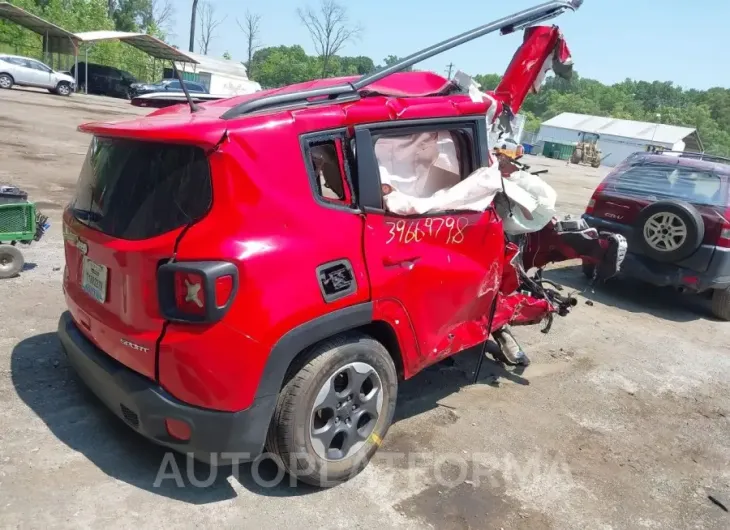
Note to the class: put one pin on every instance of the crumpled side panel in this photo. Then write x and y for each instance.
(519, 309)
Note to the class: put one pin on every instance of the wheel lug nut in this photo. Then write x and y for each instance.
(354, 407)
(337, 421)
(339, 405)
(349, 398)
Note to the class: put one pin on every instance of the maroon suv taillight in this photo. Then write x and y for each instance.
(196, 291)
(592, 202)
(724, 240)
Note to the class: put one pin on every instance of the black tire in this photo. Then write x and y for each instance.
(721, 303)
(576, 156)
(689, 216)
(6, 81)
(63, 89)
(290, 434)
(11, 261)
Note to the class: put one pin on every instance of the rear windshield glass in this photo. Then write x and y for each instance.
(672, 182)
(135, 190)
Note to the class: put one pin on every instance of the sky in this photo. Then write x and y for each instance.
(610, 40)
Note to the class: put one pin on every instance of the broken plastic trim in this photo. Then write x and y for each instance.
(508, 24)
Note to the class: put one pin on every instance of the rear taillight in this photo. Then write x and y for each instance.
(592, 202)
(724, 240)
(196, 291)
(189, 293)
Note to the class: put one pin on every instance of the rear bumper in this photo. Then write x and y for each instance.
(708, 268)
(216, 437)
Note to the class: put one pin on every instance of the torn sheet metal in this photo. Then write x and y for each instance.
(543, 49)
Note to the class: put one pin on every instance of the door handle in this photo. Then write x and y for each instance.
(391, 261)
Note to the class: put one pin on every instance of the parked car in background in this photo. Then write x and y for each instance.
(24, 71)
(674, 209)
(166, 85)
(105, 80)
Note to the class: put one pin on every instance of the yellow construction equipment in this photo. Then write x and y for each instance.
(587, 151)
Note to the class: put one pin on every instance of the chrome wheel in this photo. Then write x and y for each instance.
(64, 90)
(345, 411)
(5, 81)
(665, 231)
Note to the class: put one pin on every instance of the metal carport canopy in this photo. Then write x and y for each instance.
(147, 43)
(58, 40)
(152, 46)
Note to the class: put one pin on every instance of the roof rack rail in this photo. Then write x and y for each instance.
(349, 91)
(693, 154)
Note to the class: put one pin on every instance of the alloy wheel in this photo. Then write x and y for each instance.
(346, 411)
(665, 231)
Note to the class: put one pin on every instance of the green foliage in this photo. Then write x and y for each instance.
(487, 81)
(277, 66)
(658, 102)
(391, 60)
(88, 15)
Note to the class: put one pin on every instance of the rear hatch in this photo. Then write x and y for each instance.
(133, 200)
(631, 188)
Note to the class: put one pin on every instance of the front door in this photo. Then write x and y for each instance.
(40, 74)
(443, 267)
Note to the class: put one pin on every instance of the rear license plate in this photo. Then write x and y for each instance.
(94, 279)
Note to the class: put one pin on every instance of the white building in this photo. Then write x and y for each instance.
(617, 139)
(219, 76)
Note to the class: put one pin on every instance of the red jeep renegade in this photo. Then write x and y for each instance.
(234, 281)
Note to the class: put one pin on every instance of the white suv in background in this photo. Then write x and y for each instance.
(24, 71)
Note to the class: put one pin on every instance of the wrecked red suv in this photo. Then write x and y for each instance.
(234, 281)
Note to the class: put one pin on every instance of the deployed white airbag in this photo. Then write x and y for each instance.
(532, 199)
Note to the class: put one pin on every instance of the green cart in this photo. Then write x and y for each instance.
(20, 222)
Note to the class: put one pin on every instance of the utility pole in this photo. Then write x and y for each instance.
(656, 126)
(450, 66)
(191, 47)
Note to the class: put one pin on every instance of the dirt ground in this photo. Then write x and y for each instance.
(621, 421)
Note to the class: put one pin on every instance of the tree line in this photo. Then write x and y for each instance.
(331, 31)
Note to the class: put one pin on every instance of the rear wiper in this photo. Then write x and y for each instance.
(86, 215)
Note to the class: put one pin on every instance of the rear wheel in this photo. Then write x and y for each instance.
(333, 413)
(721, 303)
(6, 81)
(11, 261)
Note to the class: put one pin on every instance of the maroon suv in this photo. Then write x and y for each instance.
(674, 209)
